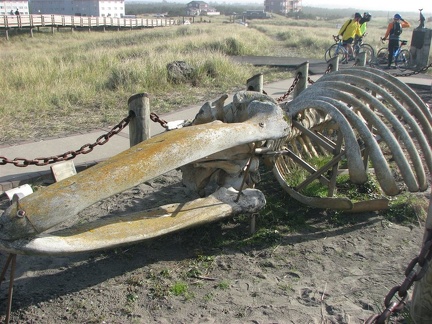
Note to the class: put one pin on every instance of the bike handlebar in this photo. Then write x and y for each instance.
(336, 38)
(403, 42)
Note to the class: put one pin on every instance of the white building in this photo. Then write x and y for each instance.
(95, 8)
(8, 7)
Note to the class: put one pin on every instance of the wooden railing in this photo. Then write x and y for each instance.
(31, 21)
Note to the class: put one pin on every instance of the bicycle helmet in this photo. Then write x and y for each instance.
(367, 16)
(397, 16)
(357, 15)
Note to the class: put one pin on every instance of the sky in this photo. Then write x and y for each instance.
(370, 5)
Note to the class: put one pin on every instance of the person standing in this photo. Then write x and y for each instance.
(348, 31)
(363, 22)
(363, 25)
(394, 30)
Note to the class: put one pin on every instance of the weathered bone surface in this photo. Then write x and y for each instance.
(226, 168)
(261, 120)
(372, 110)
(357, 116)
(121, 230)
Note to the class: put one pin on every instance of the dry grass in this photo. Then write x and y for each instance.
(61, 83)
(54, 85)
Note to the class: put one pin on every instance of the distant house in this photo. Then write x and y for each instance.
(200, 8)
(95, 8)
(282, 6)
(9, 7)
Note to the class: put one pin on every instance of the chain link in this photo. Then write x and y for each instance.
(291, 88)
(69, 155)
(157, 119)
(423, 69)
(411, 275)
(407, 74)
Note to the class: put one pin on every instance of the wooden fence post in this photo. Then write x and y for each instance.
(361, 58)
(421, 303)
(302, 83)
(255, 83)
(334, 63)
(139, 126)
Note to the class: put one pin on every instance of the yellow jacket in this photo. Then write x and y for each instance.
(352, 29)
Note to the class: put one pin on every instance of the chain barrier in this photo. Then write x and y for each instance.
(411, 275)
(423, 69)
(291, 88)
(157, 119)
(69, 155)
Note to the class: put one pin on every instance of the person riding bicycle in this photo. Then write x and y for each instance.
(348, 31)
(394, 30)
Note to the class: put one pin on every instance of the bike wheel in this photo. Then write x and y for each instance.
(370, 52)
(382, 57)
(327, 55)
(336, 51)
(403, 60)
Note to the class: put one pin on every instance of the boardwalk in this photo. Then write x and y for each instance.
(8, 22)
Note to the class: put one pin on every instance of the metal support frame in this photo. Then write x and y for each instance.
(11, 261)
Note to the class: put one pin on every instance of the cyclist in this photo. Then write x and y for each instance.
(394, 30)
(348, 31)
(363, 25)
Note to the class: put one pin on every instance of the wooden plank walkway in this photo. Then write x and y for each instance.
(316, 66)
(8, 22)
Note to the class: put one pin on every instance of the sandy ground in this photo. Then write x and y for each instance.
(320, 272)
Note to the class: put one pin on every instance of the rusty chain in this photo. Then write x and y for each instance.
(411, 275)
(423, 69)
(310, 80)
(157, 119)
(85, 149)
(291, 88)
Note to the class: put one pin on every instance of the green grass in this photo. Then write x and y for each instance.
(407, 208)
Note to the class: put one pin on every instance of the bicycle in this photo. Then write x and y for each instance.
(401, 57)
(339, 50)
(368, 49)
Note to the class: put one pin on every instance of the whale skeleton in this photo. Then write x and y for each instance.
(355, 117)
(352, 116)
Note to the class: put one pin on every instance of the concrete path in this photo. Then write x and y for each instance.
(12, 176)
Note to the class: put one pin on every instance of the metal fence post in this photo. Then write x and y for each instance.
(139, 126)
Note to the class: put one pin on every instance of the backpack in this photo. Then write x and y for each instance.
(346, 27)
(397, 29)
